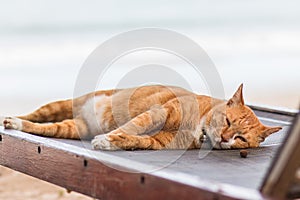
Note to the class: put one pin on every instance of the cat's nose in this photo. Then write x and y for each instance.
(224, 139)
(226, 136)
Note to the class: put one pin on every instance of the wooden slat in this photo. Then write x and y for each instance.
(280, 181)
(104, 179)
(274, 110)
(108, 175)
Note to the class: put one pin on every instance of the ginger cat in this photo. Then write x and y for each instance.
(148, 117)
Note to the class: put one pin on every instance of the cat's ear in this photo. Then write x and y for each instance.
(266, 131)
(237, 98)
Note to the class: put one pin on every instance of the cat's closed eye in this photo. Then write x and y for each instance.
(240, 138)
(261, 139)
(228, 122)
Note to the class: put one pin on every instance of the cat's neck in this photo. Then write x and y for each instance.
(206, 103)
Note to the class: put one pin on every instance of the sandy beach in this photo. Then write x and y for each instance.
(18, 186)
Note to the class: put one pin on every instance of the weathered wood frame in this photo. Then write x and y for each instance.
(66, 167)
(70, 167)
(280, 181)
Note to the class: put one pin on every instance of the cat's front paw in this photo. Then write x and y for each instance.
(103, 142)
(12, 123)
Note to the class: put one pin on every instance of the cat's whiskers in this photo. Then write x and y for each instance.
(227, 145)
(216, 140)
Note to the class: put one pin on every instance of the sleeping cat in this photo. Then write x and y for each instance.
(148, 117)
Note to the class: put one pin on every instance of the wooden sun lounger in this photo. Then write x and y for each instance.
(172, 174)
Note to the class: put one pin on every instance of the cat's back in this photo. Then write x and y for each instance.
(146, 96)
(151, 91)
(128, 103)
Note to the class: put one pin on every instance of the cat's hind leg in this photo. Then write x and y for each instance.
(70, 128)
(51, 112)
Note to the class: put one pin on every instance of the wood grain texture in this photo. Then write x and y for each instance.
(89, 176)
(106, 175)
(280, 181)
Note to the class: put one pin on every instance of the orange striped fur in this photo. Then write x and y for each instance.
(148, 117)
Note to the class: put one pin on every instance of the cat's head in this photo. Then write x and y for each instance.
(234, 125)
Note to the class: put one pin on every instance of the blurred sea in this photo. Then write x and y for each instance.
(43, 45)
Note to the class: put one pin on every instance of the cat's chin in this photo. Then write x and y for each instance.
(222, 145)
(217, 142)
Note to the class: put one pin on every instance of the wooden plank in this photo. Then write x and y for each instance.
(104, 179)
(274, 110)
(141, 174)
(280, 181)
(272, 115)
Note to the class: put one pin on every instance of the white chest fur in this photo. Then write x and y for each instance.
(93, 113)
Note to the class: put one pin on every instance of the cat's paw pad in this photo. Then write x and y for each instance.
(12, 123)
(103, 142)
